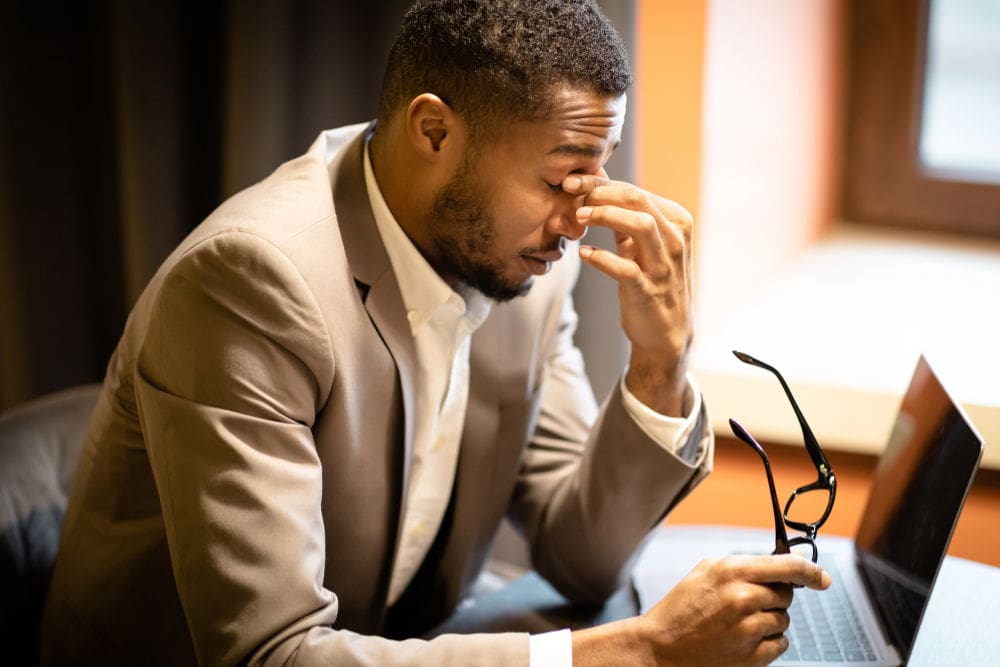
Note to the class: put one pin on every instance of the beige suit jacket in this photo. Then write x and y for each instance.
(240, 491)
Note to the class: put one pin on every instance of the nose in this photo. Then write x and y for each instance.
(564, 222)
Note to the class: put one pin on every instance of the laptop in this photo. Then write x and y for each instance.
(883, 578)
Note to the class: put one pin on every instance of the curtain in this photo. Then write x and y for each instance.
(123, 124)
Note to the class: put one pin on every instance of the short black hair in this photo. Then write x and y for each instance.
(491, 60)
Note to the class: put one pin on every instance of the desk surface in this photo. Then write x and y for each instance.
(960, 626)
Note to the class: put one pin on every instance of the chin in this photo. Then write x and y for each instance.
(504, 290)
(525, 286)
(512, 292)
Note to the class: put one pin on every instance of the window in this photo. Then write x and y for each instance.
(923, 132)
(960, 125)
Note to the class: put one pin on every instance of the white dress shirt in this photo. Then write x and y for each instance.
(442, 322)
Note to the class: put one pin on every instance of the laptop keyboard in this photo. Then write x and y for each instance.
(825, 627)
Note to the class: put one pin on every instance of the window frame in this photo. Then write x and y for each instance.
(884, 181)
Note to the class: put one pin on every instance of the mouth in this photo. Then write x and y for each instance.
(541, 264)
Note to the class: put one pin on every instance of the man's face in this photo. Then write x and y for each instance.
(503, 218)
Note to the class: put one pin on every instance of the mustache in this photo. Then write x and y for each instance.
(558, 245)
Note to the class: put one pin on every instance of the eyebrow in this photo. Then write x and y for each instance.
(576, 149)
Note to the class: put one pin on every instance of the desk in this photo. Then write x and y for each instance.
(961, 625)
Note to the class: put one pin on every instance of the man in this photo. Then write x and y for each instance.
(331, 393)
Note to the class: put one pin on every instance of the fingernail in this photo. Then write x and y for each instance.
(584, 212)
(577, 182)
(586, 251)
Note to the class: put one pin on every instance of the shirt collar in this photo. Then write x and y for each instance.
(424, 292)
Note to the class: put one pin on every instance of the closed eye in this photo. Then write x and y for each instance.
(555, 188)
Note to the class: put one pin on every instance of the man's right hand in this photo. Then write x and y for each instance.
(729, 611)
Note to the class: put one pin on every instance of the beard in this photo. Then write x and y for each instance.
(463, 238)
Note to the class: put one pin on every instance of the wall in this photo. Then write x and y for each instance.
(739, 119)
(669, 63)
(769, 155)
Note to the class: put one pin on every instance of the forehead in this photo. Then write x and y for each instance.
(579, 123)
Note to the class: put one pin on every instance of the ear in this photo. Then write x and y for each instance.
(434, 130)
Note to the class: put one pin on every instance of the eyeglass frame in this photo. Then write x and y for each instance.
(782, 543)
(825, 481)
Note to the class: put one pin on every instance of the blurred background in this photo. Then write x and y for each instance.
(841, 159)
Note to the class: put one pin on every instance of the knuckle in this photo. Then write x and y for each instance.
(743, 600)
(684, 218)
(677, 252)
(676, 212)
(660, 275)
(647, 223)
(779, 646)
(731, 565)
(635, 198)
(707, 569)
(705, 564)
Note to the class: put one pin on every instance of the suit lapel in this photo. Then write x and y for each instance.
(377, 283)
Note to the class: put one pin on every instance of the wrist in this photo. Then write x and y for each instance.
(619, 643)
(659, 385)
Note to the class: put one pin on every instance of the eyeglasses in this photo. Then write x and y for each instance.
(810, 496)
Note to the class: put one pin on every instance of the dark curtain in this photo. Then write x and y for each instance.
(123, 124)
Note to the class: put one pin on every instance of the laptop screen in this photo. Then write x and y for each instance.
(917, 493)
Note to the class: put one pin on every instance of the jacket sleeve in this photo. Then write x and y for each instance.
(592, 483)
(235, 366)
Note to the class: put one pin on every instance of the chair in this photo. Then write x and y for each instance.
(40, 442)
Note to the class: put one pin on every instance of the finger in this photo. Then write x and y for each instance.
(767, 623)
(675, 223)
(624, 271)
(679, 216)
(601, 186)
(640, 226)
(785, 568)
(802, 571)
(751, 598)
(584, 184)
(782, 596)
(770, 649)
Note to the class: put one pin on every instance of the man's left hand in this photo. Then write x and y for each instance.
(653, 269)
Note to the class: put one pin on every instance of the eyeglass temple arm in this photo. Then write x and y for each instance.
(781, 545)
(812, 445)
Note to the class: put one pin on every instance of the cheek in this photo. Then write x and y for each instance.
(522, 219)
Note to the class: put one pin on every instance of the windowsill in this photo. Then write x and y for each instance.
(845, 323)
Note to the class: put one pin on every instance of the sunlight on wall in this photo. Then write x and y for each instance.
(670, 52)
(769, 158)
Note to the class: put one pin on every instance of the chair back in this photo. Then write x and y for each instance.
(40, 442)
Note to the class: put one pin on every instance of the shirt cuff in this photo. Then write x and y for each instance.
(552, 649)
(671, 433)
